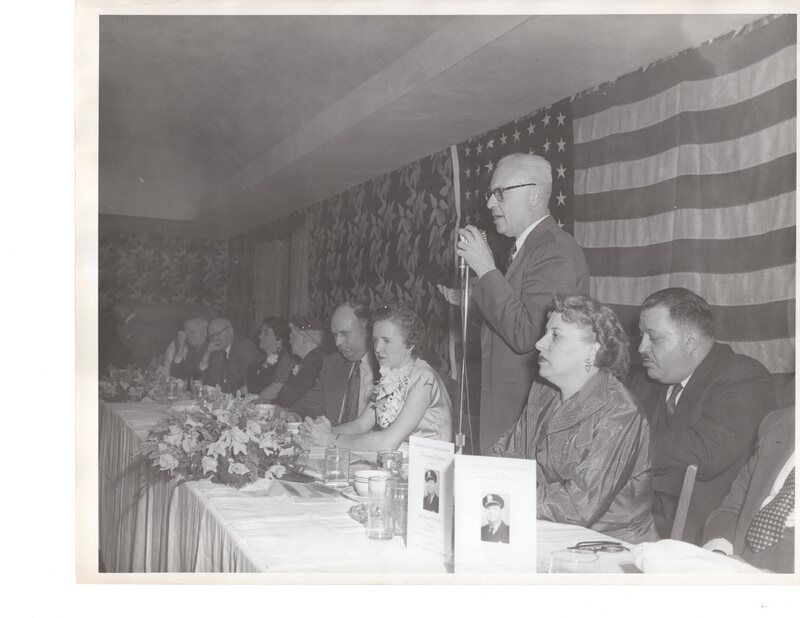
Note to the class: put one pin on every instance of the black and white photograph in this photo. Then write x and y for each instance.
(496, 509)
(430, 501)
(561, 245)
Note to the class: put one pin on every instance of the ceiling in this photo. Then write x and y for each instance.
(215, 125)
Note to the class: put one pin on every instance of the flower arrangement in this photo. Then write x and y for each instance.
(221, 437)
(390, 394)
(132, 384)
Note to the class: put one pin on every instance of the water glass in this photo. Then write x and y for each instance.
(380, 508)
(401, 508)
(337, 467)
(571, 561)
(197, 389)
(390, 460)
(172, 389)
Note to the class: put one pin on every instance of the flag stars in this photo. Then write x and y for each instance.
(531, 128)
(468, 172)
(489, 166)
(503, 139)
(561, 197)
(467, 150)
(477, 171)
(516, 135)
(561, 117)
(490, 144)
(546, 120)
(479, 149)
(561, 143)
(561, 170)
(546, 145)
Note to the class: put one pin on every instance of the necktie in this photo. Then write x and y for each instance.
(672, 402)
(350, 408)
(511, 253)
(768, 525)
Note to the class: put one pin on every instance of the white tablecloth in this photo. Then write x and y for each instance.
(205, 527)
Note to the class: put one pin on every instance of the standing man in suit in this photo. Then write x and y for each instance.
(430, 502)
(756, 520)
(344, 385)
(227, 358)
(703, 401)
(544, 260)
(496, 531)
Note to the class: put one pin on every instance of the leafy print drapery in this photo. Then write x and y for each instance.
(389, 239)
(158, 269)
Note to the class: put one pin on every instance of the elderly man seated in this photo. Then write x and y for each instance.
(756, 520)
(227, 357)
(305, 337)
(184, 353)
(703, 401)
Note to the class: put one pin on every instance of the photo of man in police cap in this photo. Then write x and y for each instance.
(496, 531)
(430, 502)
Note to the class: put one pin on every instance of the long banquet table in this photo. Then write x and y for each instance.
(151, 523)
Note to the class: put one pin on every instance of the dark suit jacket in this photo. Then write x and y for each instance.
(501, 536)
(326, 396)
(514, 308)
(188, 368)
(431, 505)
(731, 519)
(714, 426)
(233, 374)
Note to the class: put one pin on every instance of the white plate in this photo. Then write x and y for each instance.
(351, 494)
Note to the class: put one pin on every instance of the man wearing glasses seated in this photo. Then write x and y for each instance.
(227, 358)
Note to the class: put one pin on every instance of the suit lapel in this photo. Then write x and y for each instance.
(533, 239)
(694, 389)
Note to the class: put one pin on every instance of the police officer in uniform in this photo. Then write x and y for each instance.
(496, 531)
(431, 500)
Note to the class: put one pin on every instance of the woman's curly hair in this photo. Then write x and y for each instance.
(614, 353)
(409, 323)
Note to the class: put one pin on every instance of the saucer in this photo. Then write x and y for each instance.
(351, 494)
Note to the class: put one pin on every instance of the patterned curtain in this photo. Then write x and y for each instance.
(389, 239)
(241, 296)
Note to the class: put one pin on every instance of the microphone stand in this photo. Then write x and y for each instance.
(463, 400)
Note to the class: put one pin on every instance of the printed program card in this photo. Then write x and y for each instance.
(430, 496)
(495, 515)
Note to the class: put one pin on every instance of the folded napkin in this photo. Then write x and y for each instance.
(668, 556)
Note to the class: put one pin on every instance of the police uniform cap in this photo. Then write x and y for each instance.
(492, 499)
(430, 475)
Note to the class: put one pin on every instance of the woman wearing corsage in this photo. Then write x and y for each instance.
(266, 379)
(409, 399)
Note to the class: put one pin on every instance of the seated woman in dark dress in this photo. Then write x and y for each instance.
(266, 378)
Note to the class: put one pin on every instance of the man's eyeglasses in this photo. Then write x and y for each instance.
(498, 191)
(608, 546)
(219, 332)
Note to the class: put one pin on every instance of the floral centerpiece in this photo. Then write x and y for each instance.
(131, 384)
(221, 437)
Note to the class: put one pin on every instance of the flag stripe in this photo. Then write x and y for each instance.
(690, 97)
(761, 217)
(769, 321)
(753, 184)
(728, 156)
(776, 248)
(705, 62)
(702, 127)
(776, 355)
(752, 288)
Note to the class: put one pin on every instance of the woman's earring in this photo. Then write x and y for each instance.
(588, 364)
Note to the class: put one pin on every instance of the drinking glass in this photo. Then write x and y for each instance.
(197, 389)
(172, 389)
(337, 467)
(570, 561)
(380, 508)
(401, 508)
(390, 460)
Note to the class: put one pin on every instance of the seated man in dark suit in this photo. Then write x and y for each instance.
(344, 384)
(184, 353)
(496, 531)
(756, 520)
(703, 401)
(227, 357)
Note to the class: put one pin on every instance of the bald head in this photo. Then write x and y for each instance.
(526, 182)
(220, 331)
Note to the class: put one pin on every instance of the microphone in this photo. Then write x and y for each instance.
(462, 262)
